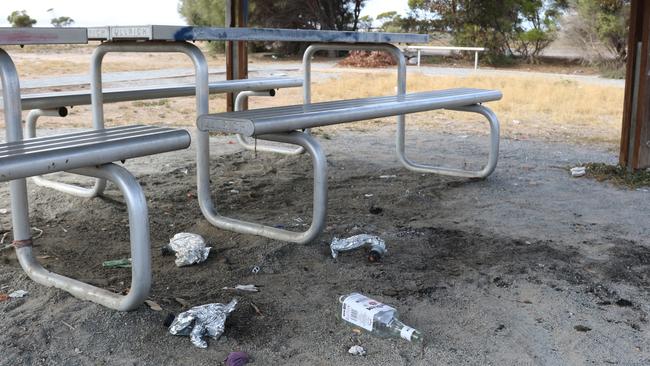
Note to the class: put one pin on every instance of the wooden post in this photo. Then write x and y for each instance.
(236, 52)
(635, 134)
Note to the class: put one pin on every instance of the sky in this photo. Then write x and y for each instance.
(90, 13)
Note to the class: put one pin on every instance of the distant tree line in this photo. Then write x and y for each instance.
(509, 29)
(20, 19)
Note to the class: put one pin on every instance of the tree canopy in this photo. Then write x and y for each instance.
(20, 19)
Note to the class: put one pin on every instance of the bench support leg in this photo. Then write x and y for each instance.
(492, 157)
(140, 248)
(320, 196)
(239, 103)
(100, 184)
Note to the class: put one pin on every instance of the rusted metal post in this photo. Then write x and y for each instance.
(236, 52)
(635, 134)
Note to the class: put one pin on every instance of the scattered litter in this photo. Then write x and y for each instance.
(578, 171)
(255, 270)
(153, 305)
(247, 288)
(357, 351)
(581, 328)
(2, 239)
(377, 246)
(4, 211)
(387, 176)
(189, 248)
(39, 233)
(4, 297)
(368, 195)
(257, 309)
(117, 263)
(18, 293)
(67, 325)
(237, 359)
(202, 320)
(78, 351)
(43, 256)
(515, 122)
(378, 319)
(183, 302)
(234, 191)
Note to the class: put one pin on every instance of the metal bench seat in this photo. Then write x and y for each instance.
(90, 153)
(53, 100)
(54, 104)
(50, 154)
(282, 119)
(285, 125)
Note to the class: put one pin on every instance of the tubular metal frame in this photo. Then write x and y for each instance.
(136, 203)
(401, 119)
(242, 97)
(55, 110)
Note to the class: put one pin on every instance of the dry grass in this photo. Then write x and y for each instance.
(545, 108)
(532, 107)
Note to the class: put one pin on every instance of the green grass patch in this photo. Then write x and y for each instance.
(618, 175)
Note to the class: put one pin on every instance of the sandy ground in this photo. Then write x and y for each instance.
(530, 266)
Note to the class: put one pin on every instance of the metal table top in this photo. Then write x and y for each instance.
(189, 33)
(22, 36)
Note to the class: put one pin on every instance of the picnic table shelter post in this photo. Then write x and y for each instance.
(635, 134)
(236, 51)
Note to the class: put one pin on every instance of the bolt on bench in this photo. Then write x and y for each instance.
(283, 124)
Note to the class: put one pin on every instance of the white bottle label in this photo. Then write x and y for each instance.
(360, 310)
(406, 333)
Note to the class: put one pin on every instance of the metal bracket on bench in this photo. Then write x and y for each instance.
(239, 103)
(492, 157)
(320, 197)
(30, 132)
(140, 248)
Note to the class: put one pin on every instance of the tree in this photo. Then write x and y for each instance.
(306, 14)
(20, 19)
(601, 27)
(62, 21)
(365, 23)
(504, 27)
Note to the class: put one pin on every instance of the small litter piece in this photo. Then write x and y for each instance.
(578, 171)
(153, 305)
(237, 359)
(387, 176)
(376, 244)
(357, 351)
(4, 297)
(189, 248)
(117, 263)
(247, 288)
(199, 321)
(18, 293)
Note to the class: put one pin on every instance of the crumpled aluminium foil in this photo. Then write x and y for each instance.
(199, 321)
(189, 248)
(342, 245)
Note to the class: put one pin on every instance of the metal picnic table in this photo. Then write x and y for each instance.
(153, 38)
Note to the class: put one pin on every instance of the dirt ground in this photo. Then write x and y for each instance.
(530, 266)
(527, 267)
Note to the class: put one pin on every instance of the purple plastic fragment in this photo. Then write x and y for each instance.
(237, 359)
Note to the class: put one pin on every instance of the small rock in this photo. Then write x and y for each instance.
(623, 302)
(18, 293)
(581, 328)
(357, 351)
